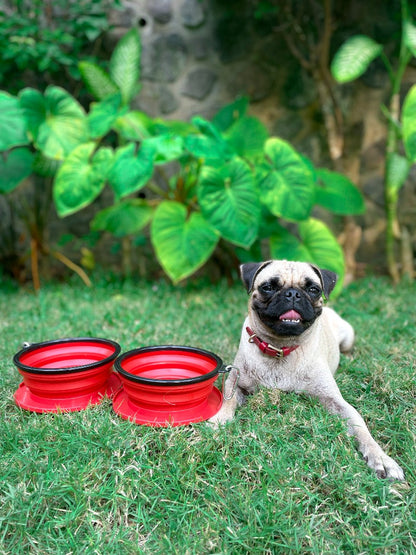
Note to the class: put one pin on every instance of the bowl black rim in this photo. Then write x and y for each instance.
(185, 381)
(69, 369)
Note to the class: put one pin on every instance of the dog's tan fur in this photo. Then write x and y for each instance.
(309, 369)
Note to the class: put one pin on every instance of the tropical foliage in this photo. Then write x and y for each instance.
(350, 62)
(48, 38)
(225, 180)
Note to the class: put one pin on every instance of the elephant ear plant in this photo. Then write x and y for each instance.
(37, 131)
(350, 62)
(195, 185)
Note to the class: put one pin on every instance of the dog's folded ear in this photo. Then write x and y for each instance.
(249, 272)
(328, 279)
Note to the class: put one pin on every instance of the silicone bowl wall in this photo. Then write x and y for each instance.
(67, 367)
(166, 376)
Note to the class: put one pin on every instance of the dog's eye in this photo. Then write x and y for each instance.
(314, 291)
(266, 288)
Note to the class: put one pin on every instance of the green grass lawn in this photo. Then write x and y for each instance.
(282, 478)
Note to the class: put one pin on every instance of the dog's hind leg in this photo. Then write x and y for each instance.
(343, 330)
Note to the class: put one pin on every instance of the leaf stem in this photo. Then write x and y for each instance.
(391, 196)
(74, 267)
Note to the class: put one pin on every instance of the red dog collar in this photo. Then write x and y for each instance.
(268, 349)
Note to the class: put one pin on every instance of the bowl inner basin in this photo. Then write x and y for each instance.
(66, 355)
(167, 366)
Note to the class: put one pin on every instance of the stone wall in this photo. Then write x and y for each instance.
(196, 56)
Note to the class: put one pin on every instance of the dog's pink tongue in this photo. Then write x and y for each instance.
(290, 315)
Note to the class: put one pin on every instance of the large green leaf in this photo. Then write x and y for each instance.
(56, 121)
(337, 193)
(134, 126)
(286, 183)
(253, 254)
(397, 170)
(229, 201)
(269, 223)
(15, 166)
(45, 167)
(127, 217)
(247, 137)
(209, 144)
(230, 113)
(409, 124)
(166, 148)
(161, 126)
(131, 170)
(103, 115)
(316, 244)
(81, 178)
(409, 35)
(284, 245)
(97, 81)
(125, 64)
(353, 58)
(182, 242)
(12, 122)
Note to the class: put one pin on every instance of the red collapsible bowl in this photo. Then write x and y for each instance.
(168, 385)
(66, 374)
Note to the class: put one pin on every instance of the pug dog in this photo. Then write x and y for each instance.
(290, 341)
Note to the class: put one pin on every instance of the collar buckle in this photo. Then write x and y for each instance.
(279, 353)
(267, 348)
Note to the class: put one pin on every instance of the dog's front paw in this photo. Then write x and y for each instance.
(383, 465)
(224, 415)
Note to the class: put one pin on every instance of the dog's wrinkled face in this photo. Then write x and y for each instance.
(287, 296)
